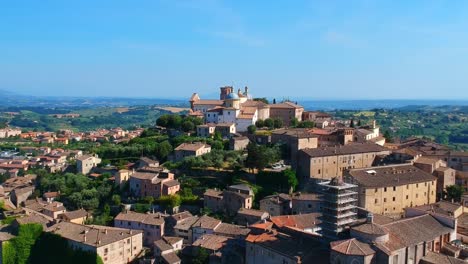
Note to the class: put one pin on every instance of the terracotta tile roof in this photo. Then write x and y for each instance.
(54, 207)
(303, 248)
(51, 194)
(262, 226)
(96, 236)
(353, 148)
(212, 242)
(370, 228)
(186, 223)
(171, 258)
(80, 213)
(302, 221)
(207, 222)
(306, 196)
(149, 219)
(251, 212)
(411, 231)
(393, 175)
(208, 102)
(286, 105)
(441, 207)
(426, 160)
(35, 219)
(181, 216)
(352, 247)
(213, 193)
(231, 230)
(162, 245)
(438, 258)
(191, 146)
(172, 240)
(171, 183)
(144, 175)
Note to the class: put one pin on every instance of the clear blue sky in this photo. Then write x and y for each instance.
(169, 48)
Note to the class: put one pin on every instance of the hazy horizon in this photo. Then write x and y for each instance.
(309, 50)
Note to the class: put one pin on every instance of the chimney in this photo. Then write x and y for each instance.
(84, 238)
(105, 231)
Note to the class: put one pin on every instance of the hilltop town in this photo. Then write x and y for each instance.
(232, 179)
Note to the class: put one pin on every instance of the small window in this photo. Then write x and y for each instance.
(406, 197)
(384, 200)
(394, 198)
(394, 188)
(376, 201)
(376, 189)
(385, 189)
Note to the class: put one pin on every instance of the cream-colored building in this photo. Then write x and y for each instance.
(324, 163)
(113, 245)
(191, 149)
(388, 190)
(86, 163)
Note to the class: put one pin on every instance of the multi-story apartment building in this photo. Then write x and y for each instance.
(324, 163)
(113, 245)
(144, 184)
(230, 200)
(152, 225)
(388, 190)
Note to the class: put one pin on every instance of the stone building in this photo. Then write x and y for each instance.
(404, 241)
(286, 111)
(276, 204)
(445, 177)
(190, 150)
(86, 163)
(113, 245)
(144, 184)
(323, 163)
(230, 200)
(389, 189)
(152, 225)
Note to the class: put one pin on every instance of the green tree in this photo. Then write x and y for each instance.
(116, 200)
(261, 156)
(269, 123)
(164, 149)
(388, 137)
(454, 192)
(163, 120)
(170, 200)
(260, 123)
(188, 126)
(294, 122)
(352, 123)
(251, 129)
(202, 256)
(306, 124)
(263, 99)
(277, 123)
(292, 179)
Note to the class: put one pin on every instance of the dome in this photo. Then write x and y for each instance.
(232, 96)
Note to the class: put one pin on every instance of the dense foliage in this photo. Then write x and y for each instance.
(260, 156)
